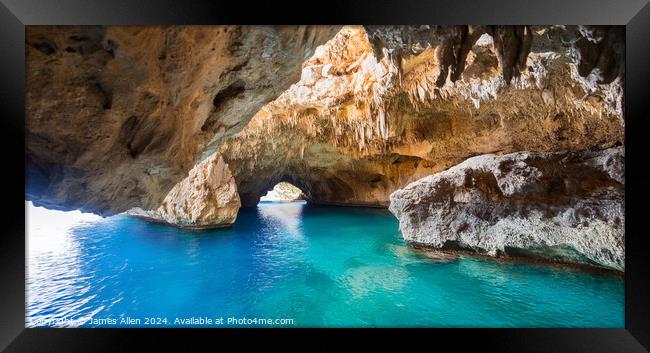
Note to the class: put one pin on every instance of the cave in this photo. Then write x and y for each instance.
(264, 167)
(349, 118)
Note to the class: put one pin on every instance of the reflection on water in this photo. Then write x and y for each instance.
(287, 215)
(318, 265)
(53, 264)
(50, 229)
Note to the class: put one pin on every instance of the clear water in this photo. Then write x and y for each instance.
(319, 266)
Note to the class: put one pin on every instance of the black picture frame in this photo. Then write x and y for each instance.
(16, 14)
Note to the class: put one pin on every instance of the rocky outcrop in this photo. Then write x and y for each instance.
(206, 198)
(565, 206)
(283, 192)
(379, 107)
(116, 116)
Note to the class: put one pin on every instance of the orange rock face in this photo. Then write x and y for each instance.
(117, 116)
(377, 108)
(206, 198)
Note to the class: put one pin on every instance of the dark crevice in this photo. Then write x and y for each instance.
(228, 93)
(105, 95)
(600, 48)
(46, 47)
(220, 100)
(375, 180)
(127, 132)
(559, 253)
(134, 136)
(452, 245)
(79, 37)
(512, 44)
(86, 44)
(110, 47)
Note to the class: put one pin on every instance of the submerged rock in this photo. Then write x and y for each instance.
(206, 198)
(565, 206)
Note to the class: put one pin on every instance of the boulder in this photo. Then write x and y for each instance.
(566, 206)
(206, 198)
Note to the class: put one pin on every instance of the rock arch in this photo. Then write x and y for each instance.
(371, 110)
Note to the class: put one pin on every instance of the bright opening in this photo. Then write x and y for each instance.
(283, 192)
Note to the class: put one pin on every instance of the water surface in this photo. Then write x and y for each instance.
(319, 266)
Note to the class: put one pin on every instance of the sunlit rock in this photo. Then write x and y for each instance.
(378, 107)
(566, 206)
(206, 198)
(283, 192)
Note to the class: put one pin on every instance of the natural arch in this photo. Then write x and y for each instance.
(118, 115)
(374, 108)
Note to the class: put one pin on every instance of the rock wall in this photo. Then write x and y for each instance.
(116, 116)
(566, 206)
(379, 107)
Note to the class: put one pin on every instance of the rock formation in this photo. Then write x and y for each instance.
(560, 205)
(206, 198)
(283, 192)
(379, 107)
(116, 116)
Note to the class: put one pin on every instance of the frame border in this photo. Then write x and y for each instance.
(16, 14)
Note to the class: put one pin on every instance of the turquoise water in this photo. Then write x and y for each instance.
(316, 265)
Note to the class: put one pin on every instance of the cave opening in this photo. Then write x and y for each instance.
(283, 192)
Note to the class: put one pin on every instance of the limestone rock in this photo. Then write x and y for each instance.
(283, 192)
(378, 107)
(206, 198)
(564, 205)
(116, 116)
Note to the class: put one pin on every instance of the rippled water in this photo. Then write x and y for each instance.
(319, 266)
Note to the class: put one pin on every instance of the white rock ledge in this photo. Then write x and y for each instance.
(566, 206)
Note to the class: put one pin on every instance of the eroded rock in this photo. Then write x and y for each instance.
(379, 107)
(206, 198)
(564, 205)
(283, 192)
(116, 116)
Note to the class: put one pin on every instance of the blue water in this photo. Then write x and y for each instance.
(318, 266)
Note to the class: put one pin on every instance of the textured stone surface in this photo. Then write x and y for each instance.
(116, 116)
(283, 192)
(563, 205)
(206, 198)
(379, 107)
